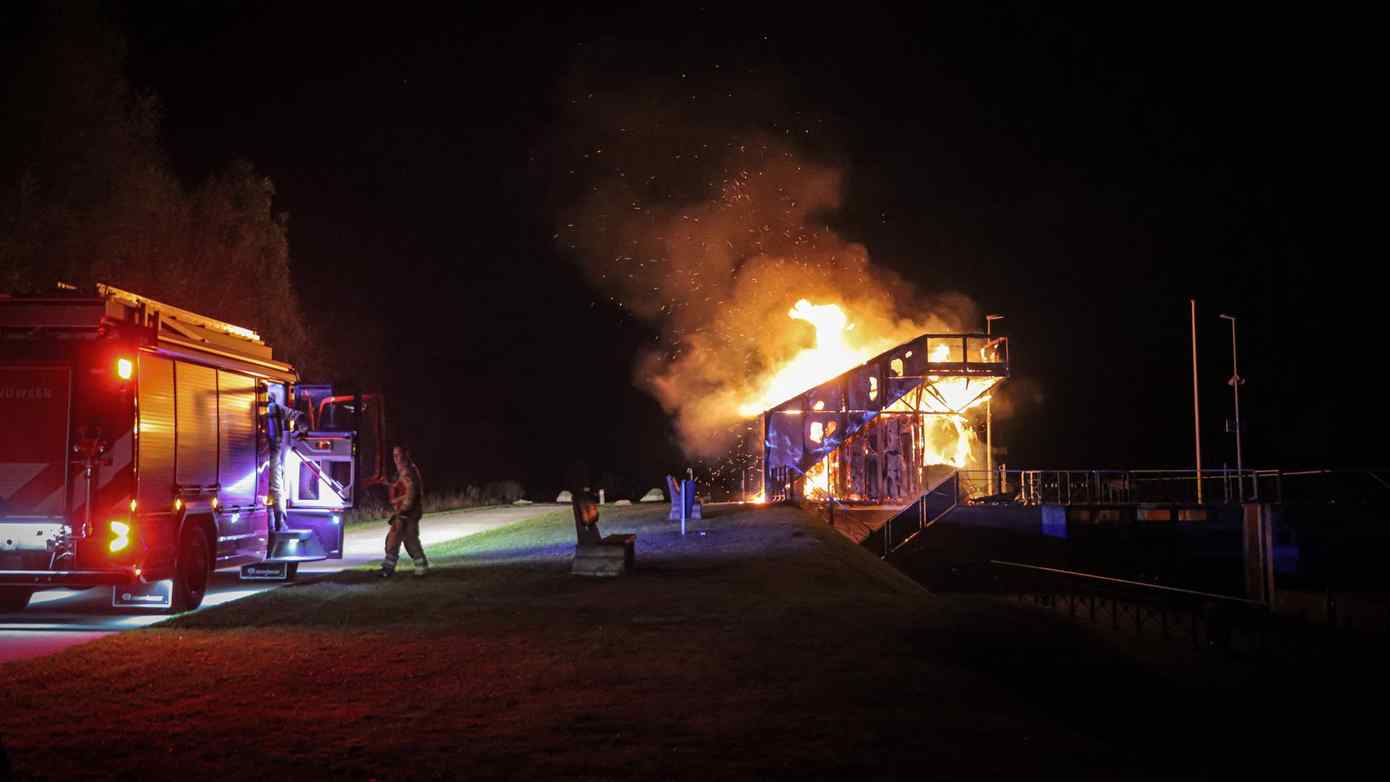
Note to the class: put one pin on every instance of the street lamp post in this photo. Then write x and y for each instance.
(989, 414)
(1196, 403)
(1235, 383)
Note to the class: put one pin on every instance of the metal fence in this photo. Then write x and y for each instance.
(1202, 619)
(1120, 487)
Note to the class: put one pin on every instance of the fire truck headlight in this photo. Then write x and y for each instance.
(125, 368)
(120, 536)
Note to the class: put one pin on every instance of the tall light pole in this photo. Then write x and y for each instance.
(1235, 383)
(1196, 403)
(989, 413)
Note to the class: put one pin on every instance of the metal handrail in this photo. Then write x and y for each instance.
(1127, 582)
(1136, 486)
(918, 511)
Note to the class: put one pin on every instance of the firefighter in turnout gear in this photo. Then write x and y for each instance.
(279, 426)
(407, 498)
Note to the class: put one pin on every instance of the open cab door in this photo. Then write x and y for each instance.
(332, 461)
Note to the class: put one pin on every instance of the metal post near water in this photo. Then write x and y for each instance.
(1196, 403)
(1235, 383)
(989, 415)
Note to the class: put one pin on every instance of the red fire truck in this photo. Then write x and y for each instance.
(134, 451)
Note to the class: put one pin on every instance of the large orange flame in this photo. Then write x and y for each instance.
(831, 355)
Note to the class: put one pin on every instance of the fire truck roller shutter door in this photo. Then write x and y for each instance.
(156, 444)
(236, 470)
(196, 405)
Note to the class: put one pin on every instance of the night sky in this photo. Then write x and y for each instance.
(1082, 174)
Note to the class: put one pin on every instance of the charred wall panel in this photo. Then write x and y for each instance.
(236, 471)
(156, 454)
(196, 406)
(865, 391)
(785, 440)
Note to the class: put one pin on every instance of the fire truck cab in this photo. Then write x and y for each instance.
(134, 452)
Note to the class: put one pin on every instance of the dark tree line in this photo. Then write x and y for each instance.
(87, 193)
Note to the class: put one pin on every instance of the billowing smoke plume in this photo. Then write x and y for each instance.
(716, 253)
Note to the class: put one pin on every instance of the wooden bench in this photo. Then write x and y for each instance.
(595, 554)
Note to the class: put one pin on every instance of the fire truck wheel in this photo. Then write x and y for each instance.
(194, 564)
(12, 599)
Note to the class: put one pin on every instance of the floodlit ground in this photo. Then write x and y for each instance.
(58, 619)
(761, 644)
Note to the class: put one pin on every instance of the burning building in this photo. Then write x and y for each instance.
(879, 432)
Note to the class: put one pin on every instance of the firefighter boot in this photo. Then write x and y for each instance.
(388, 567)
(422, 567)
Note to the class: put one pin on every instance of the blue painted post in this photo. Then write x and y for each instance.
(687, 493)
(687, 502)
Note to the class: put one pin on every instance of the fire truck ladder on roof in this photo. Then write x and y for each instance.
(181, 329)
(169, 312)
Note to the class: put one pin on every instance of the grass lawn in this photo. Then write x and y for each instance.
(762, 644)
(374, 517)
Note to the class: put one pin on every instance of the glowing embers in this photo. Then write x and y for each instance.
(892, 459)
(946, 439)
(954, 394)
(817, 480)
